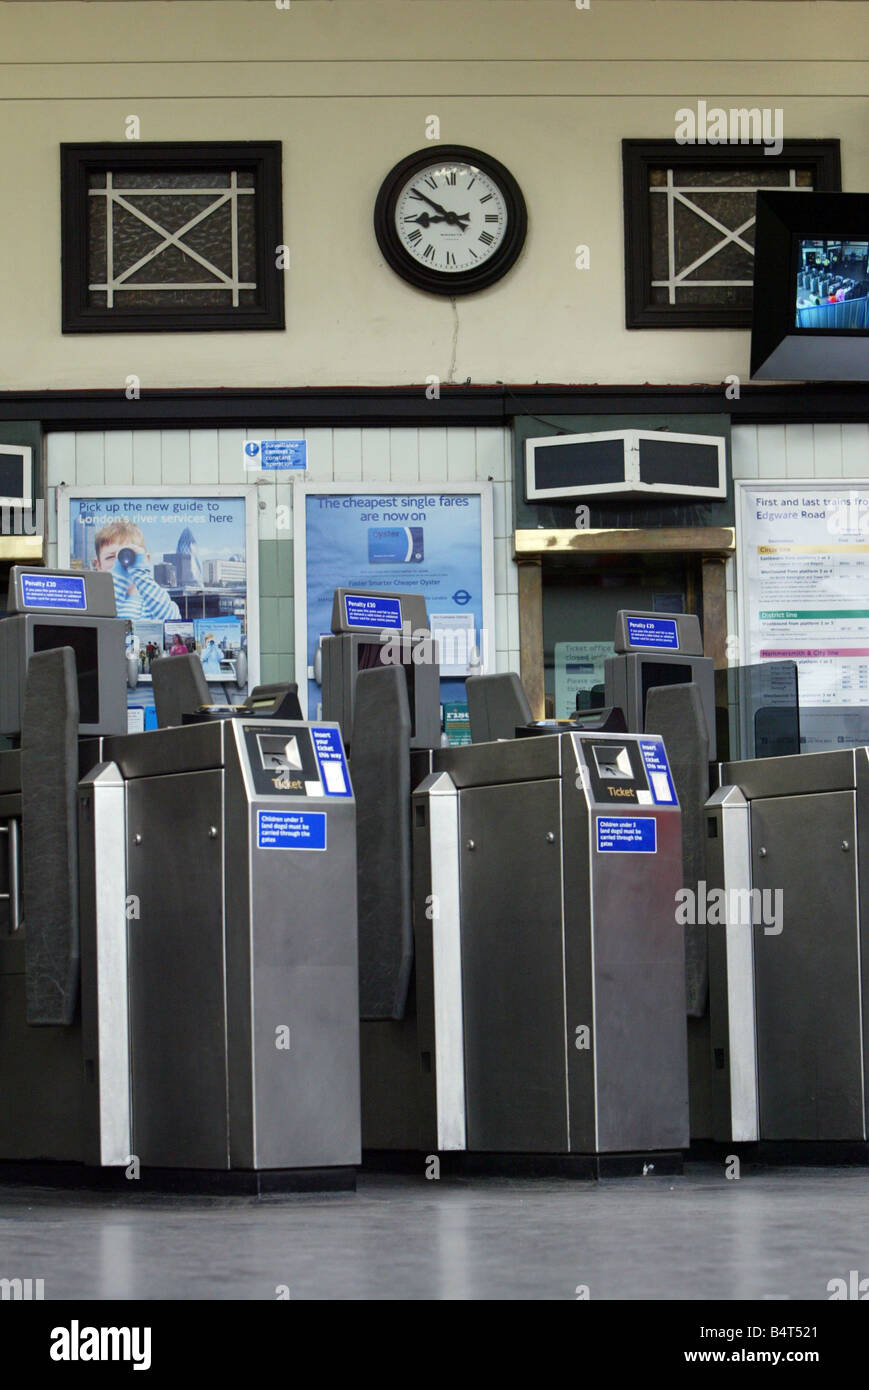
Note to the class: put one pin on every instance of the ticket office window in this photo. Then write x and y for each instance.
(581, 596)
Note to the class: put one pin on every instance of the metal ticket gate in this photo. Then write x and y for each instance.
(789, 947)
(548, 1011)
(218, 1019)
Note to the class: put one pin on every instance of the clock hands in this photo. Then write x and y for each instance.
(422, 197)
(425, 219)
(454, 219)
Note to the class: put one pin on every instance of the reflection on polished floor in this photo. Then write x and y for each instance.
(771, 1234)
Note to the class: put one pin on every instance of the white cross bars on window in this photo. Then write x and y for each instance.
(679, 279)
(117, 282)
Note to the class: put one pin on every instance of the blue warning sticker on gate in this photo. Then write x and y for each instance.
(653, 632)
(626, 834)
(291, 829)
(330, 760)
(362, 610)
(66, 591)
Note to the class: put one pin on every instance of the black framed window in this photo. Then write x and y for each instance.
(689, 224)
(168, 238)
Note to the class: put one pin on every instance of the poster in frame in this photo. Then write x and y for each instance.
(431, 538)
(803, 547)
(182, 561)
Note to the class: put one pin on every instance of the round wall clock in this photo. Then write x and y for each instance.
(450, 219)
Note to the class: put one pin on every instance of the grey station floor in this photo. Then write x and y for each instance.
(774, 1233)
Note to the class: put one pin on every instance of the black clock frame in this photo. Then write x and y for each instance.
(441, 281)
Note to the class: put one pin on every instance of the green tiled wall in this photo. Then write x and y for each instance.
(277, 627)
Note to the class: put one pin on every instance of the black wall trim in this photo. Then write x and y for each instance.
(336, 406)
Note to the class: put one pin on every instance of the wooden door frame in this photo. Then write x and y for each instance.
(713, 544)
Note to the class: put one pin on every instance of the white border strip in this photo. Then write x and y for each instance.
(449, 1034)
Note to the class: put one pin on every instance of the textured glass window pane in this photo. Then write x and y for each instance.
(773, 176)
(96, 244)
(688, 201)
(184, 178)
(184, 239)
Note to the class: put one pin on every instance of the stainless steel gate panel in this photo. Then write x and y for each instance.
(861, 765)
(305, 979)
(732, 1039)
(640, 1032)
(625, 948)
(102, 847)
(796, 775)
(292, 967)
(515, 1049)
(809, 1027)
(579, 967)
(176, 950)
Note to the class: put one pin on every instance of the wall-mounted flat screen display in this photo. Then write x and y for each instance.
(832, 289)
(810, 317)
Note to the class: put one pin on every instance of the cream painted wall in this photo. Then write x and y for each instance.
(347, 86)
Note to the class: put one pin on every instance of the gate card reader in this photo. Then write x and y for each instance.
(371, 628)
(654, 649)
(375, 611)
(65, 608)
(278, 701)
(33, 590)
(659, 632)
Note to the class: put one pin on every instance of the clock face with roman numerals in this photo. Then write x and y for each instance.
(450, 219)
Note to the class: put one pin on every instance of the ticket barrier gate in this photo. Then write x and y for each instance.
(178, 932)
(217, 1024)
(788, 928)
(547, 1009)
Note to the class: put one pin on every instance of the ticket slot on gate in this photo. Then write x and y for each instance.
(616, 771)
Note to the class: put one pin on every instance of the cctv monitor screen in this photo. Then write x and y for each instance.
(83, 640)
(832, 289)
(810, 318)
